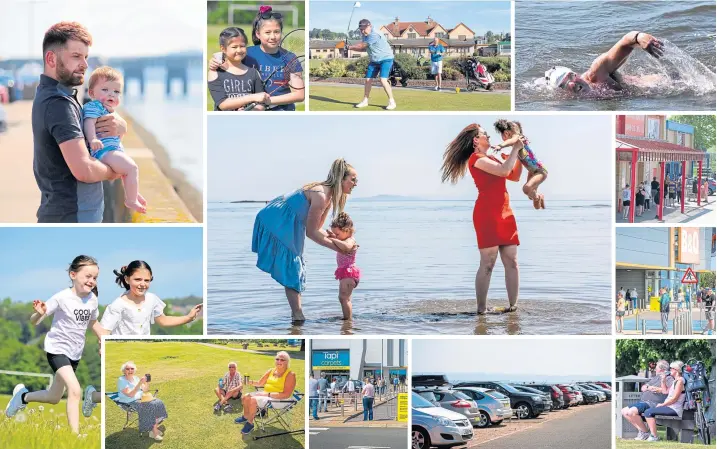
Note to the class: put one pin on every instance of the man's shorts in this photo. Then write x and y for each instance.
(641, 407)
(436, 67)
(381, 67)
(710, 314)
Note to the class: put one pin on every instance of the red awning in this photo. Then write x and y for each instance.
(655, 150)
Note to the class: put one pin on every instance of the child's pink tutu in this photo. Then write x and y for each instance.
(350, 272)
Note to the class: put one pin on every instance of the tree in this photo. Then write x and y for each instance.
(632, 355)
(326, 34)
(707, 279)
(489, 37)
(704, 129)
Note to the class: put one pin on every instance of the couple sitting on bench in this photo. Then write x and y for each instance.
(663, 395)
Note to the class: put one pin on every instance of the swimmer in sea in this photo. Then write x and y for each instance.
(603, 71)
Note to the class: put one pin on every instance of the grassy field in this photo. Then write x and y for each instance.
(662, 444)
(213, 47)
(36, 428)
(267, 348)
(340, 98)
(186, 374)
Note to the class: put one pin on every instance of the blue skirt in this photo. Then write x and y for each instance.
(278, 239)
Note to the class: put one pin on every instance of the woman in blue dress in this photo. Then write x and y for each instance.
(281, 226)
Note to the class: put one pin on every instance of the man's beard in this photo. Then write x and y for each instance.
(67, 77)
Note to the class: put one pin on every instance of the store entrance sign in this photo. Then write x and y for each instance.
(335, 359)
(689, 245)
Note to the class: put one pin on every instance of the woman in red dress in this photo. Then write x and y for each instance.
(493, 220)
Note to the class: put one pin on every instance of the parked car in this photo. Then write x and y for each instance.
(607, 391)
(3, 119)
(556, 395)
(578, 395)
(571, 399)
(452, 400)
(547, 402)
(590, 396)
(603, 384)
(492, 410)
(525, 405)
(436, 426)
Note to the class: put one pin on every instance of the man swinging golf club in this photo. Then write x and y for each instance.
(380, 61)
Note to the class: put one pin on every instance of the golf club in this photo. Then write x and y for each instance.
(348, 28)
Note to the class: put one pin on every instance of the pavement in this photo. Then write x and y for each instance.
(358, 438)
(654, 325)
(352, 416)
(384, 412)
(587, 427)
(703, 215)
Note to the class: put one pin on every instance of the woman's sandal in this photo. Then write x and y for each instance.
(157, 437)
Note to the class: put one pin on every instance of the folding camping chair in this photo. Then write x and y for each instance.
(278, 411)
(114, 397)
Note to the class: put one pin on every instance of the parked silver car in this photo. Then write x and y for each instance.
(436, 426)
(452, 400)
(492, 410)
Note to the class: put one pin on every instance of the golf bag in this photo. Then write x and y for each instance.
(477, 75)
(398, 75)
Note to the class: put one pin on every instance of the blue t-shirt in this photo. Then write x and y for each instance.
(95, 109)
(123, 383)
(378, 47)
(665, 303)
(436, 52)
(266, 63)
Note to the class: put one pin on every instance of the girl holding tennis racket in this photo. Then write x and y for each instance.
(280, 69)
(73, 310)
(233, 86)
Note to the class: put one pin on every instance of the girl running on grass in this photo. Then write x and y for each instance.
(74, 310)
(137, 309)
(234, 85)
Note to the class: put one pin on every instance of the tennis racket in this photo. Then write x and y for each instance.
(291, 50)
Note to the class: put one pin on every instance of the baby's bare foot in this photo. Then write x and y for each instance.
(136, 206)
(141, 200)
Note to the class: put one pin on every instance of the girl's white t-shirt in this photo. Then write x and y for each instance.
(626, 195)
(123, 317)
(71, 318)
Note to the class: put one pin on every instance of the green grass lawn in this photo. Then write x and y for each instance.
(662, 444)
(267, 348)
(35, 428)
(186, 374)
(340, 98)
(213, 47)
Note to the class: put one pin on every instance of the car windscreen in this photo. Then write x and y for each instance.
(460, 395)
(495, 394)
(508, 388)
(419, 402)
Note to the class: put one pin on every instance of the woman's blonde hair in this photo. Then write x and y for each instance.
(455, 158)
(286, 355)
(339, 170)
(128, 364)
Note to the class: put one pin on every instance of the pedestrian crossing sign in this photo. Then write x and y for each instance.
(690, 277)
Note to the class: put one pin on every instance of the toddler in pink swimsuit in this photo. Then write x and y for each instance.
(347, 273)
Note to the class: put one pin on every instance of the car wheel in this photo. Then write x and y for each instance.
(523, 410)
(394, 82)
(420, 437)
(483, 420)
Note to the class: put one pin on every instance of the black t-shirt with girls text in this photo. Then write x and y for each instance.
(229, 85)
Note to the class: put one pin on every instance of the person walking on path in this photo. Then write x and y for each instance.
(493, 220)
(368, 393)
(664, 308)
(323, 392)
(620, 313)
(380, 62)
(313, 396)
(709, 299)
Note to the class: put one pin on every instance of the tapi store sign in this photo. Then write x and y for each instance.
(336, 359)
(689, 245)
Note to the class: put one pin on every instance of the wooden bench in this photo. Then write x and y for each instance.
(679, 429)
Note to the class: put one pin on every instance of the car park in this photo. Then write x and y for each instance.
(436, 426)
(590, 396)
(525, 405)
(554, 392)
(492, 410)
(571, 399)
(452, 400)
(607, 392)
(547, 402)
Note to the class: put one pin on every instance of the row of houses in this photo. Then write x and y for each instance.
(414, 37)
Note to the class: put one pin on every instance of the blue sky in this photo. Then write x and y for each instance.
(120, 28)
(578, 356)
(36, 259)
(478, 16)
(395, 155)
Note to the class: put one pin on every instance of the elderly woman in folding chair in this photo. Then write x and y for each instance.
(278, 382)
(133, 392)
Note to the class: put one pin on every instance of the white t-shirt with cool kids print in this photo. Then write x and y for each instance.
(123, 317)
(71, 318)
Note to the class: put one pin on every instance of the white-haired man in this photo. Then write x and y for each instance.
(230, 387)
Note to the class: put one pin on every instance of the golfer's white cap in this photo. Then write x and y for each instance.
(556, 76)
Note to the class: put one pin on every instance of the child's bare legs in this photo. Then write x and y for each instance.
(346, 287)
(122, 164)
(64, 378)
(531, 188)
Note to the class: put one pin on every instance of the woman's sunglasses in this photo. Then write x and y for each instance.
(270, 15)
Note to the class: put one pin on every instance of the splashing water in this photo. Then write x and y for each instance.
(676, 73)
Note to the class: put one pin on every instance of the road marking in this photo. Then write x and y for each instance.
(368, 447)
(318, 428)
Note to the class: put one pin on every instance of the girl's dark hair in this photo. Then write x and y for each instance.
(259, 22)
(455, 158)
(503, 125)
(231, 33)
(129, 270)
(343, 222)
(80, 262)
